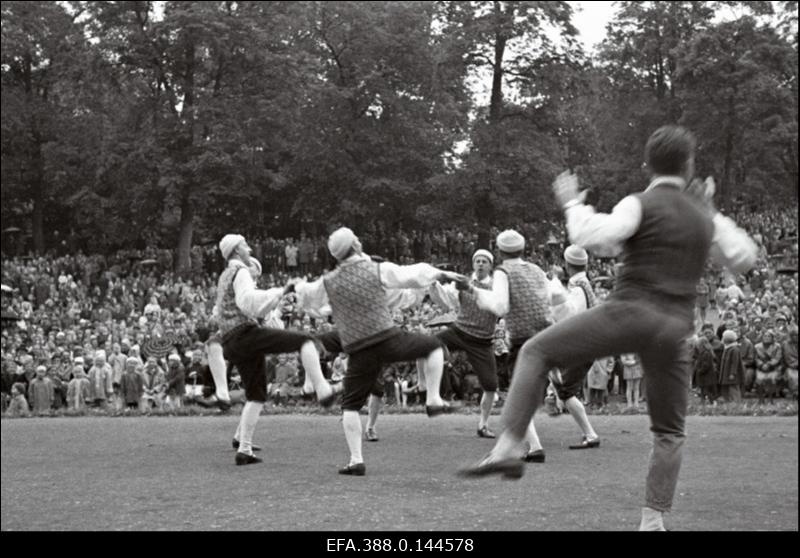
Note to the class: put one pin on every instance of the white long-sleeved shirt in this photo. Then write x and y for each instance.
(604, 234)
(497, 300)
(251, 300)
(313, 297)
(446, 296)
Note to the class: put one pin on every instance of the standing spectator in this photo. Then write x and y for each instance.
(789, 350)
(291, 253)
(597, 380)
(40, 392)
(117, 363)
(18, 405)
(705, 369)
(748, 352)
(60, 374)
(176, 382)
(633, 377)
(306, 254)
(731, 369)
(132, 385)
(100, 380)
(768, 363)
(702, 299)
(78, 390)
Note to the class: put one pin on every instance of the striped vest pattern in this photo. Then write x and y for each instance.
(230, 315)
(529, 305)
(472, 319)
(360, 308)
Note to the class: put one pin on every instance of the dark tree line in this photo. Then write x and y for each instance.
(145, 122)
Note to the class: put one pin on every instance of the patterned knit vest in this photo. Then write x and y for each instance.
(472, 319)
(529, 305)
(230, 316)
(586, 287)
(358, 301)
(666, 256)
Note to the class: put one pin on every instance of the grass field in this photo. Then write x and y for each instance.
(177, 473)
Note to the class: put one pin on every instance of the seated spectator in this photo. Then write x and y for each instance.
(18, 407)
(155, 384)
(768, 366)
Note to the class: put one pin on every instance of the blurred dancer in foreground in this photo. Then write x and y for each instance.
(665, 235)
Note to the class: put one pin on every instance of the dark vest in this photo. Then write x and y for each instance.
(666, 256)
(529, 305)
(472, 319)
(358, 301)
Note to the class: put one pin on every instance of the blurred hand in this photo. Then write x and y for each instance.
(462, 283)
(566, 188)
(448, 276)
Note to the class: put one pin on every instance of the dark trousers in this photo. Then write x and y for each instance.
(247, 348)
(365, 365)
(657, 331)
(480, 354)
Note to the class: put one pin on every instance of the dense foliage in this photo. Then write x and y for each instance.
(171, 122)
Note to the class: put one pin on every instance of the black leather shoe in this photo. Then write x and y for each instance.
(235, 444)
(536, 456)
(370, 435)
(357, 470)
(436, 410)
(244, 459)
(510, 468)
(486, 433)
(586, 444)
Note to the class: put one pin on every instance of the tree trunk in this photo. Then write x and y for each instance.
(37, 188)
(183, 259)
(496, 102)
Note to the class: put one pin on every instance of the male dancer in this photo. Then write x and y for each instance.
(356, 294)
(245, 344)
(666, 236)
(522, 293)
(568, 383)
(472, 332)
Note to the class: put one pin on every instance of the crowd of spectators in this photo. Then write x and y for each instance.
(123, 331)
